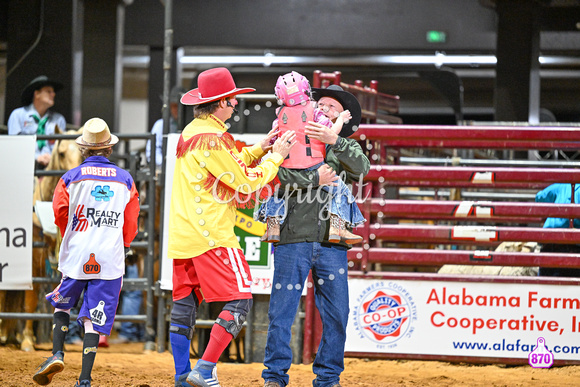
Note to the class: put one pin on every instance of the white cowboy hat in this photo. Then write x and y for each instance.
(96, 135)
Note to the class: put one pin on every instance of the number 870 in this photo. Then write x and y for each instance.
(543, 358)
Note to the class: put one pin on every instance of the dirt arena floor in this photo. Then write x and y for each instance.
(128, 365)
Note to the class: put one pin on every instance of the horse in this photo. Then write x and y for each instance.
(65, 155)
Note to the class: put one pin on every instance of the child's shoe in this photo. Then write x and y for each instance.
(339, 232)
(350, 238)
(272, 233)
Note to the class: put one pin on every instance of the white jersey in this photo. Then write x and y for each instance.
(96, 207)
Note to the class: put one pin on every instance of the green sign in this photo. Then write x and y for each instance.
(436, 37)
(249, 232)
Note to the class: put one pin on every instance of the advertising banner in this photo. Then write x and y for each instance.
(463, 318)
(17, 176)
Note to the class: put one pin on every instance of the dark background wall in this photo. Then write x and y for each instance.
(351, 26)
(22, 24)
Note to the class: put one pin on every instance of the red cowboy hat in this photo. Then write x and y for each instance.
(213, 84)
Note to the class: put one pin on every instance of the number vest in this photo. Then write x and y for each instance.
(306, 152)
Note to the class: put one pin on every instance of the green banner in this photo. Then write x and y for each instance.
(249, 232)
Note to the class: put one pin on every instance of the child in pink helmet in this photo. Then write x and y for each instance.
(293, 93)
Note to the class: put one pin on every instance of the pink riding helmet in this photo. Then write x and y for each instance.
(292, 89)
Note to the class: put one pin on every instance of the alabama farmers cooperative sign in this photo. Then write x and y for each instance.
(462, 318)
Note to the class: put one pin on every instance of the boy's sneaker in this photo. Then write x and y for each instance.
(204, 374)
(49, 368)
(85, 383)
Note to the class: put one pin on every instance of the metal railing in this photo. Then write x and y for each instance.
(440, 226)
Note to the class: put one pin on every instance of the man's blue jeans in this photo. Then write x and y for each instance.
(292, 263)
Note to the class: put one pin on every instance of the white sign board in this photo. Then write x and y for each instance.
(166, 281)
(463, 318)
(17, 176)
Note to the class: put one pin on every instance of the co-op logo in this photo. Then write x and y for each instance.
(385, 313)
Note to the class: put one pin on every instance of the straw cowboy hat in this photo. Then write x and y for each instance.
(213, 84)
(96, 135)
(37, 84)
(348, 102)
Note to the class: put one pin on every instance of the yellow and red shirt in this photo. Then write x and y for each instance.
(211, 179)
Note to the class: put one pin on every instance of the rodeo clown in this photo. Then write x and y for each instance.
(211, 179)
(96, 207)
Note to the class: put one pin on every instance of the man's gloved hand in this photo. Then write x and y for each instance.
(128, 251)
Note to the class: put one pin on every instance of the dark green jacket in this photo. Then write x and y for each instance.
(304, 222)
